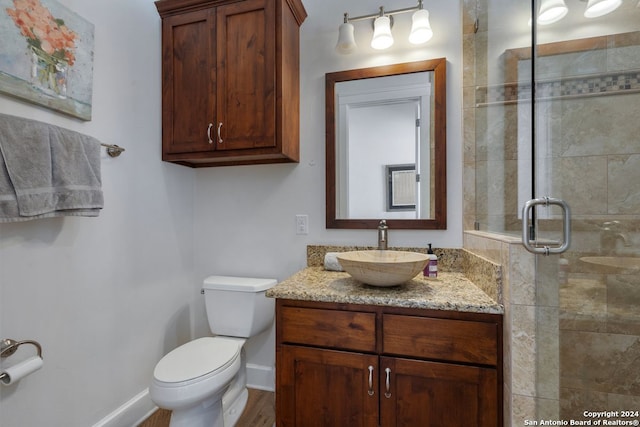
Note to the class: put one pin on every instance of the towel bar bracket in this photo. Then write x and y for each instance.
(9, 346)
(113, 150)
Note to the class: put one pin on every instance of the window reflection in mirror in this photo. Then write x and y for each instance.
(378, 118)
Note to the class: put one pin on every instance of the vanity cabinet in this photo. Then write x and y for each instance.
(358, 365)
(230, 81)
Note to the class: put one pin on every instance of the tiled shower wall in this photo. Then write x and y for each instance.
(530, 330)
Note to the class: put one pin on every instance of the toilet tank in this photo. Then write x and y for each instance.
(237, 306)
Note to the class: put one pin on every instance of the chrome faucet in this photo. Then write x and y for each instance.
(383, 235)
(610, 235)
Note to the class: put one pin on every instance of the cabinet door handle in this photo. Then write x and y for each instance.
(387, 393)
(370, 391)
(209, 133)
(219, 137)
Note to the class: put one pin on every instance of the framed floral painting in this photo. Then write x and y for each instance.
(46, 55)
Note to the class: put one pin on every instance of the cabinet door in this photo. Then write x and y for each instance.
(430, 394)
(188, 77)
(246, 75)
(319, 388)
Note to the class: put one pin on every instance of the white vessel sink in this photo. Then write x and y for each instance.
(382, 267)
(614, 261)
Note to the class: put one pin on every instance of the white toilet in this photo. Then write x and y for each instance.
(203, 382)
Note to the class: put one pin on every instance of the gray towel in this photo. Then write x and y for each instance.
(47, 171)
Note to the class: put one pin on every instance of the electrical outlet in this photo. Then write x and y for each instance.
(302, 224)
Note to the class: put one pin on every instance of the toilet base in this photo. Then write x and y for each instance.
(235, 410)
(206, 414)
(235, 399)
(211, 413)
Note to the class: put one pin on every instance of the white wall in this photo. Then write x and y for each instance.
(108, 296)
(245, 215)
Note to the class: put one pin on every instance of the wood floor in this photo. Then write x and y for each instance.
(260, 412)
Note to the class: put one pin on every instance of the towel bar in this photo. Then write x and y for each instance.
(113, 150)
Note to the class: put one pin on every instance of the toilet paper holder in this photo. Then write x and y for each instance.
(9, 346)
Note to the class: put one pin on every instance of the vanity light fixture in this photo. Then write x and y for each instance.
(421, 31)
(554, 10)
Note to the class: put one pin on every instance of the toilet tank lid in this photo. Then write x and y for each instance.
(238, 284)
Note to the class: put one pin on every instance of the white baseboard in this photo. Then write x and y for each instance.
(131, 413)
(140, 407)
(261, 377)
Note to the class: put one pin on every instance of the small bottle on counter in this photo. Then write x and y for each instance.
(431, 270)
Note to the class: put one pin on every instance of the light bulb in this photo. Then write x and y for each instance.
(596, 8)
(420, 28)
(346, 41)
(551, 11)
(382, 37)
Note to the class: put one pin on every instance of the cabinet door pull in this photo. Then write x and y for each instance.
(209, 133)
(219, 137)
(370, 391)
(387, 393)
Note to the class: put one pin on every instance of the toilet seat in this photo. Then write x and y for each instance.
(196, 361)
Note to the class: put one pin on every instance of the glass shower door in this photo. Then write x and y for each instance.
(554, 111)
(585, 75)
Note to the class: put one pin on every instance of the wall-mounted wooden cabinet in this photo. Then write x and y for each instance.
(230, 81)
(358, 365)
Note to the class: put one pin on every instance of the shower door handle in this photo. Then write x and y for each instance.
(566, 226)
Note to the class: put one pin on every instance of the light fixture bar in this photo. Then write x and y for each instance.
(421, 31)
(386, 13)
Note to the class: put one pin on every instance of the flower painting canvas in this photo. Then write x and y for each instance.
(46, 55)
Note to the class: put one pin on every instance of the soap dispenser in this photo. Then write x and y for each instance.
(431, 270)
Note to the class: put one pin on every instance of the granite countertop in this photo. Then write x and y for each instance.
(450, 291)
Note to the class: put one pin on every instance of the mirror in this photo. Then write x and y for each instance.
(386, 146)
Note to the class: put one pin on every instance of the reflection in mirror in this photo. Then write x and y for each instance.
(386, 146)
(372, 114)
(403, 188)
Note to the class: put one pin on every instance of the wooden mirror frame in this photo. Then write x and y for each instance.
(439, 221)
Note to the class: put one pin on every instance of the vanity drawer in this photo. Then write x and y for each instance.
(349, 330)
(441, 339)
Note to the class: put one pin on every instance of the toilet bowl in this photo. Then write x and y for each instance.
(203, 382)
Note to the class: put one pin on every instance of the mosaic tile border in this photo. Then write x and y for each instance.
(618, 83)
